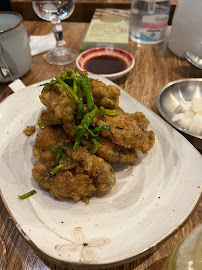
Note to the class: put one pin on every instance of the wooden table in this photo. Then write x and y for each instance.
(155, 66)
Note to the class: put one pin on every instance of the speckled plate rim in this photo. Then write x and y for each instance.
(129, 257)
(167, 118)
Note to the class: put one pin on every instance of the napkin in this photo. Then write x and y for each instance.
(42, 43)
(16, 85)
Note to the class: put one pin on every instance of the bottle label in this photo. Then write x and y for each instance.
(153, 27)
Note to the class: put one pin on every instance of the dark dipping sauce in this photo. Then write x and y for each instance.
(105, 64)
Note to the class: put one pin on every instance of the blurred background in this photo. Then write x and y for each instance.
(83, 12)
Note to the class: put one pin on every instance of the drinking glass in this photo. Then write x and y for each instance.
(56, 11)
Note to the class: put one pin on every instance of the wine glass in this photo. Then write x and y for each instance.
(55, 11)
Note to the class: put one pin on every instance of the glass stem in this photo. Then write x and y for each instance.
(58, 32)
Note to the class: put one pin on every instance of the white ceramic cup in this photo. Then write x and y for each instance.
(15, 56)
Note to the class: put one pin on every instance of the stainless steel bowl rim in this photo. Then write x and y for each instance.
(167, 118)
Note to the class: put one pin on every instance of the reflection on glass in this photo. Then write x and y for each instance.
(56, 11)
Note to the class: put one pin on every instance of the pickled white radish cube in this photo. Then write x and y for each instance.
(197, 106)
(185, 122)
(189, 114)
(177, 117)
(196, 124)
(186, 106)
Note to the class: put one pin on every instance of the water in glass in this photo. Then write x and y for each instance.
(52, 10)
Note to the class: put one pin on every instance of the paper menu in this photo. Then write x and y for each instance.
(108, 28)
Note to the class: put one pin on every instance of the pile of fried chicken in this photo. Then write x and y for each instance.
(77, 165)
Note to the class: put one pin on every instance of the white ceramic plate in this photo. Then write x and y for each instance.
(150, 200)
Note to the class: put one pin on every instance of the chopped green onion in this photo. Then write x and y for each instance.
(94, 147)
(88, 117)
(58, 151)
(28, 194)
(52, 148)
(100, 128)
(41, 124)
(69, 71)
(50, 84)
(91, 132)
(67, 89)
(80, 102)
(74, 86)
(56, 169)
(102, 110)
(88, 93)
(85, 123)
(77, 128)
(79, 138)
(58, 156)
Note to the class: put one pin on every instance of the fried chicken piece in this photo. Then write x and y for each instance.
(142, 121)
(90, 176)
(98, 169)
(127, 131)
(49, 118)
(77, 187)
(112, 152)
(68, 127)
(58, 101)
(107, 96)
(64, 184)
(49, 136)
(41, 174)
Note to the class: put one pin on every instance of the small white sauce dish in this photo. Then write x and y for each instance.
(99, 53)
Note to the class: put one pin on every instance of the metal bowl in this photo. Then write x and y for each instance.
(169, 98)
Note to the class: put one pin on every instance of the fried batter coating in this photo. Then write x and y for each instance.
(64, 184)
(112, 152)
(101, 171)
(29, 130)
(58, 101)
(74, 186)
(127, 131)
(142, 121)
(91, 176)
(68, 127)
(107, 96)
(49, 118)
(41, 174)
(49, 136)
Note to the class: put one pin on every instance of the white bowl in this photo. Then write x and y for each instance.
(86, 55)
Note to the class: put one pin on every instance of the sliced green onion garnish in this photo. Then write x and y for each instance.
(50, 84)
(41, 124)
(58, 151)
(54, 170)
(92, 133)
(147, 119)
(94, 147)
(67, 89)
(100, 128)
(102, 110)
(28, 194)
